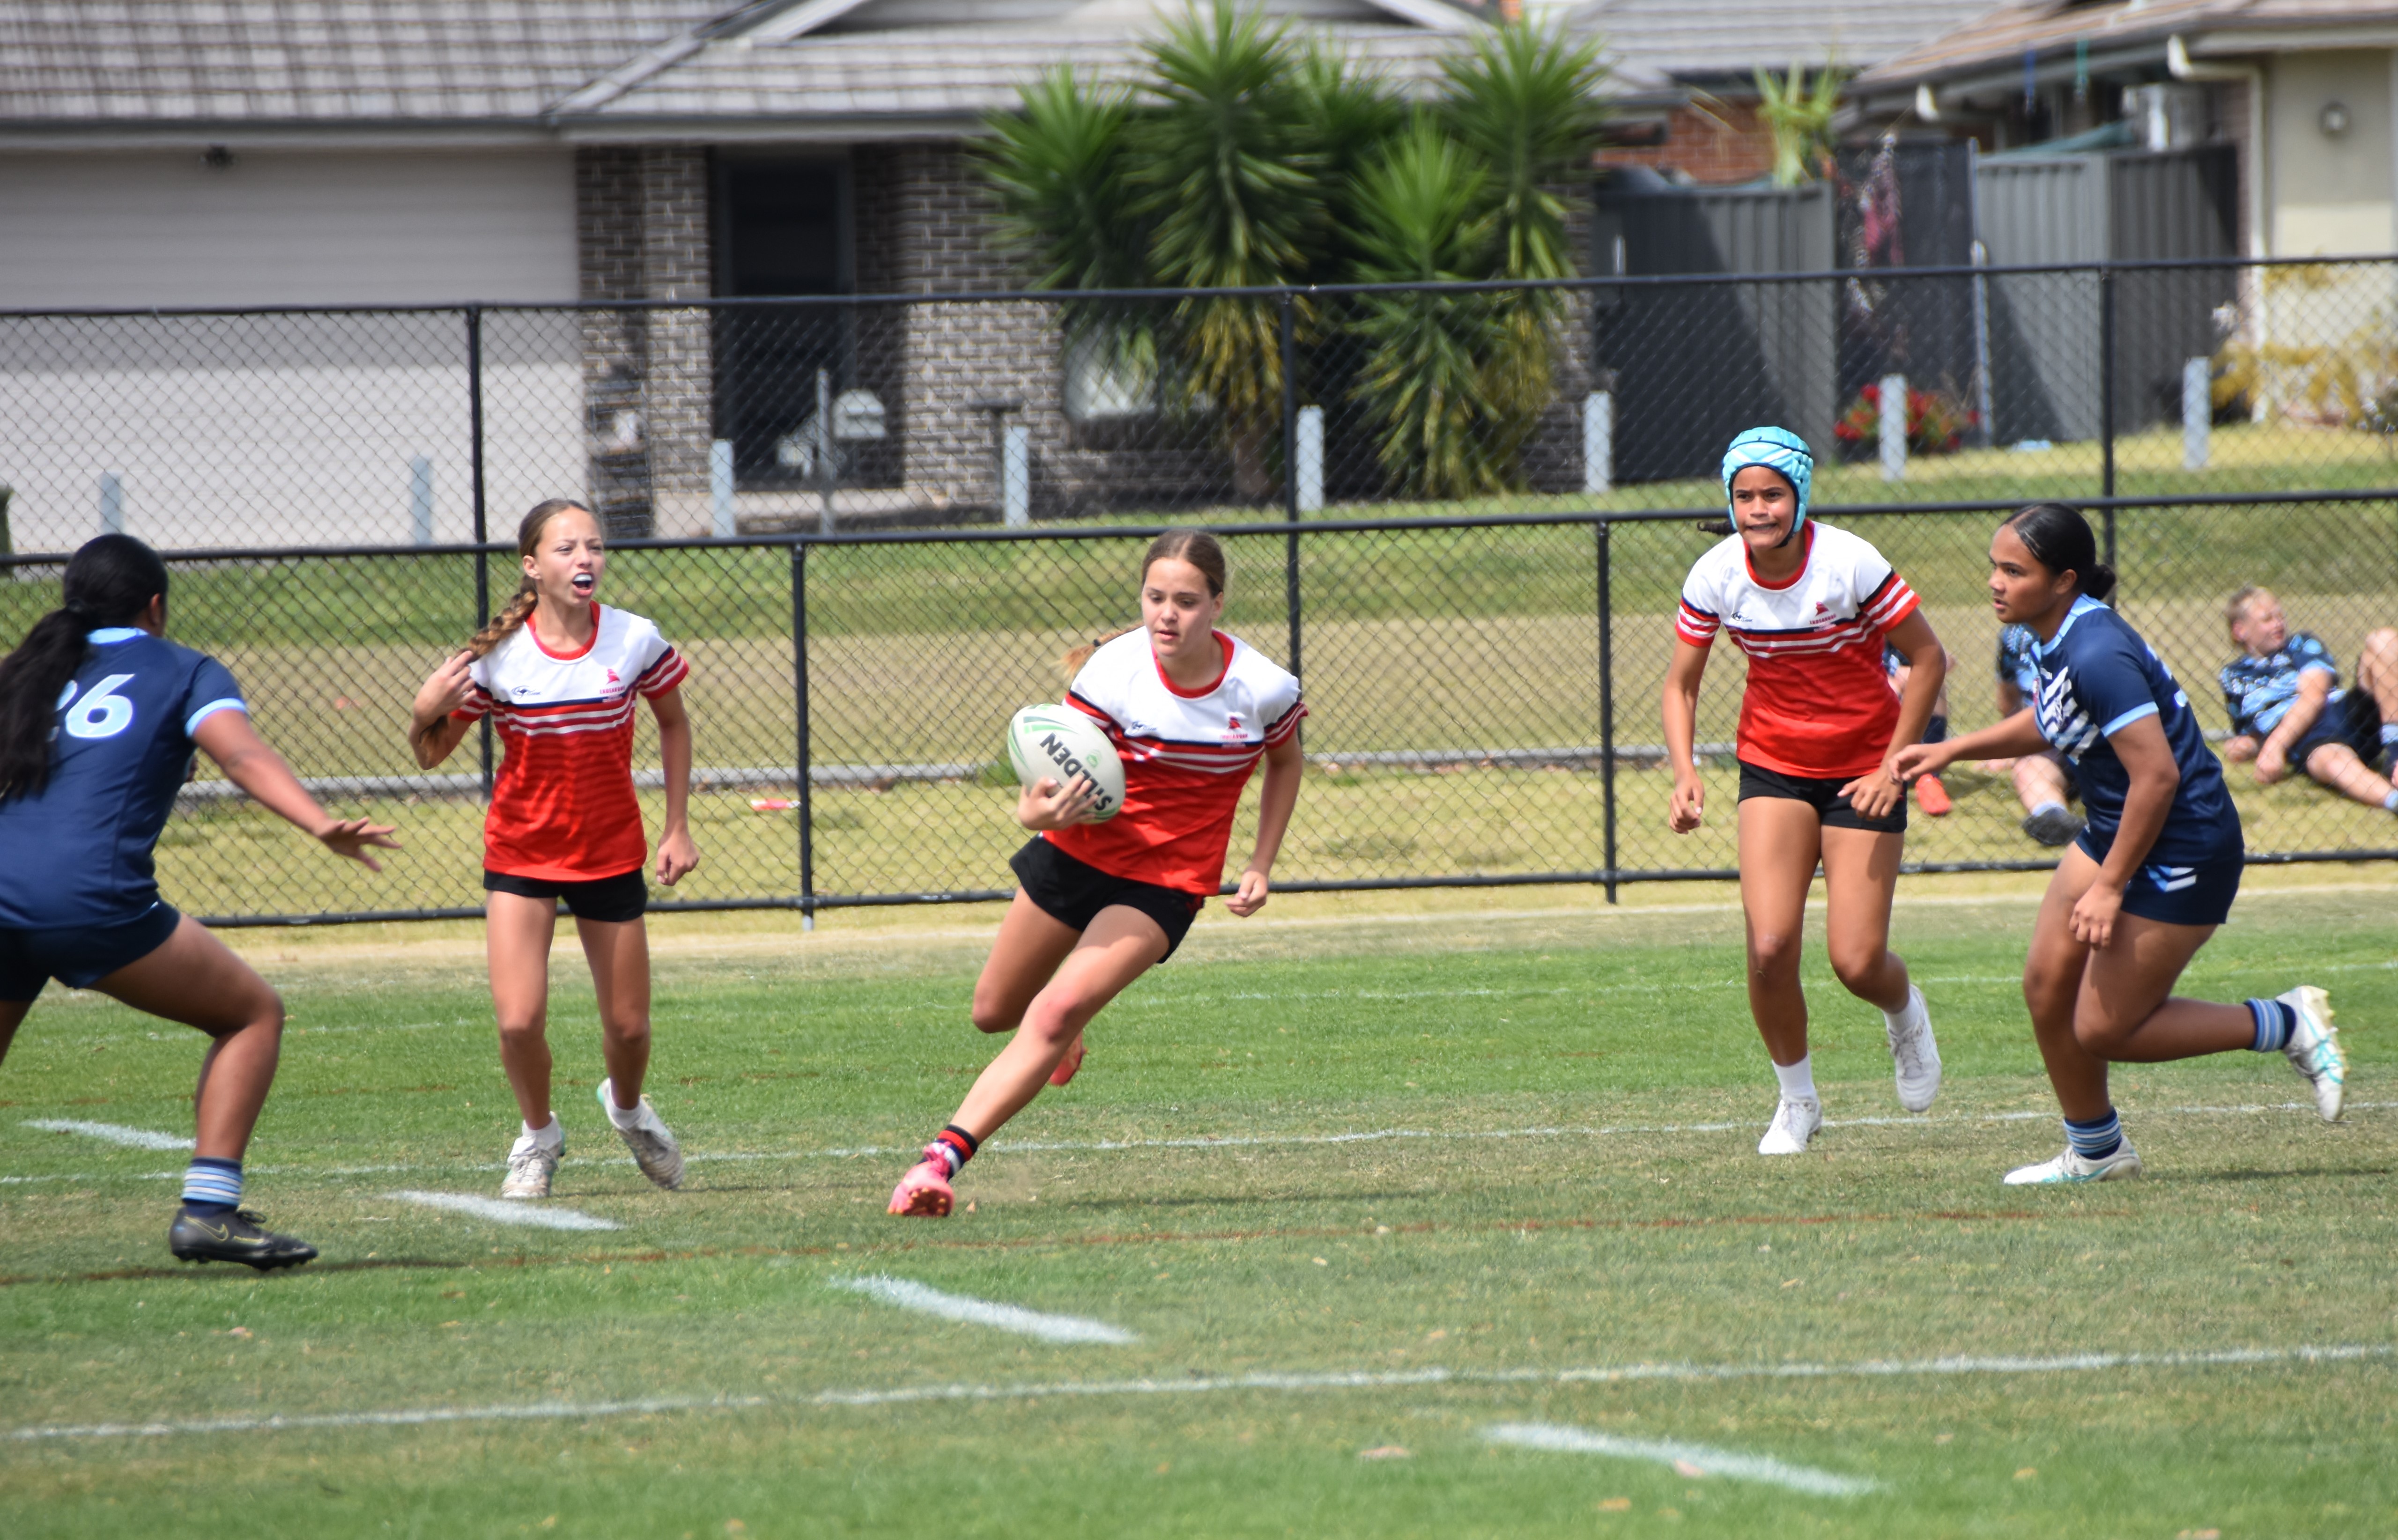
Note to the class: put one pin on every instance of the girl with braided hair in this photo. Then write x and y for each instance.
(556, 671)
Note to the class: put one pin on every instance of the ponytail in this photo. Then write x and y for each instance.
(110, 582)
(2059, 539)
(1073, 662)
(526, 598)
(511, 618)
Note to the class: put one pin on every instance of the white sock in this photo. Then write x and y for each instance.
(552, 1137)
(1797, 1081)
(2390, 801)
(2045, 806)
(624, 1117)
(1904, 1013)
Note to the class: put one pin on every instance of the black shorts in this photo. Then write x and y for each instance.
(79, 956)
(1832, 810)
(1073, 892)
(2199, 893)
(2352, 720)
(610, 900)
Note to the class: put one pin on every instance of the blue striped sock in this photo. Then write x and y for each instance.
(212, 1185)
(2275, 1022)
(2096, 1139)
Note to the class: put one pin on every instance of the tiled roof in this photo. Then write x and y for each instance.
(337, 61)
(524, 63)
(1700, 39)
(946, 73)
(2003, 36)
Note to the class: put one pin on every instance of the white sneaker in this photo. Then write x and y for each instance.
(1795, 1122)
(1913, 1053)
(654, 1148)
(2314, 1050)
(2070, 1167)
(530, 1165)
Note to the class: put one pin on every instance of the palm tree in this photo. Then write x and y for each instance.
(1800, 121)
(1223, 172)
(1524, 100)
(1058, 166)
(1423, 217)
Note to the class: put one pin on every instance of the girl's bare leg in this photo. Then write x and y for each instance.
(2336, 766)
(1860, 878)
(195, 979)
(1120, 945)
(619, 956)
(1030, 947)
(1780, 841)
(518, 930)
(2053, 986)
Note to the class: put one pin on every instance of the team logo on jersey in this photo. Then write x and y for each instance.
(612, 677)
(1823, 609)
(1232, 721)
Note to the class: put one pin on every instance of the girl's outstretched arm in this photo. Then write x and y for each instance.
(259, 770)
(678, 857)
(1285, 765)
(2012, 739)
(432, 731)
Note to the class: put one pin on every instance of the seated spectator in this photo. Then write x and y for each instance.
(2044, 782)
(2288, 709)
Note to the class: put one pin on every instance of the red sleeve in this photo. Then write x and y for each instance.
(478, 705)
(668, 671)
(1287, 723)
(1889, 604)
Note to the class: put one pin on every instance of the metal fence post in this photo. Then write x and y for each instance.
(474, 479)
(1289, 478)
(800, 702)
(2107, 395)
(1604, 531)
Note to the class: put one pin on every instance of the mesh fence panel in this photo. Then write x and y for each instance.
(1453, 665)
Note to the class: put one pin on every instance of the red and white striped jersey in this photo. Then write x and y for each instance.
(1819, 704)
(563, 809)
(1187, 754)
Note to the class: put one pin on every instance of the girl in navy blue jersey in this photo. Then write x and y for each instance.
(99, 718)
(2152, 873)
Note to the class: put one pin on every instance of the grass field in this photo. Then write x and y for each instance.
(1381, 1190)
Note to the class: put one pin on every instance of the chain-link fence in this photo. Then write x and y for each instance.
(1462, 550)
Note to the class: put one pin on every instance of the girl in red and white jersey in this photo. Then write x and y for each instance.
(557, 672)
(1811, 608)
(1191, 711)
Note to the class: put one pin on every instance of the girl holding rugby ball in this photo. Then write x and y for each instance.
(1819, 729)
(1191, 711)
(2152, 874)
(557, 671)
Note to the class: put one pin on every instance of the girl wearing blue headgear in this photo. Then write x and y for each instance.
(1811, 608)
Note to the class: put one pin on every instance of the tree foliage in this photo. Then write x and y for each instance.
(1247, 157)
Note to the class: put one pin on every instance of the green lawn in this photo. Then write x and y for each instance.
(1561, 1192)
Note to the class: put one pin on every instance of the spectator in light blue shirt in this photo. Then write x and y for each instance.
(2288, 712)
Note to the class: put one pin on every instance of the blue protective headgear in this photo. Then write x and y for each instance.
(1779, 450)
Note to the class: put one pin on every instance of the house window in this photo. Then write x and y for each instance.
(1110, 374)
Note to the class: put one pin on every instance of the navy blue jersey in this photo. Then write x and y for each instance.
(2257, 691)
(2097, 677)
(80, 854)
(2018, 662)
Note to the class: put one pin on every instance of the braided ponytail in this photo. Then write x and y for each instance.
(521, 604)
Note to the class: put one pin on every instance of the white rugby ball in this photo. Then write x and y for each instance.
(1059, 744)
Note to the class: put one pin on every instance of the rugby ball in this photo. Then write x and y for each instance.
(1059, 743)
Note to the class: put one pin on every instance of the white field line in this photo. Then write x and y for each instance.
(910, 1295)
(504, 1211)
(1688, 1459)
(1367, 1136)
(113, 1134)
(1313, 1380)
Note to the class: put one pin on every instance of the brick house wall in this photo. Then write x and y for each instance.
(1728, 144)
(642, 233)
